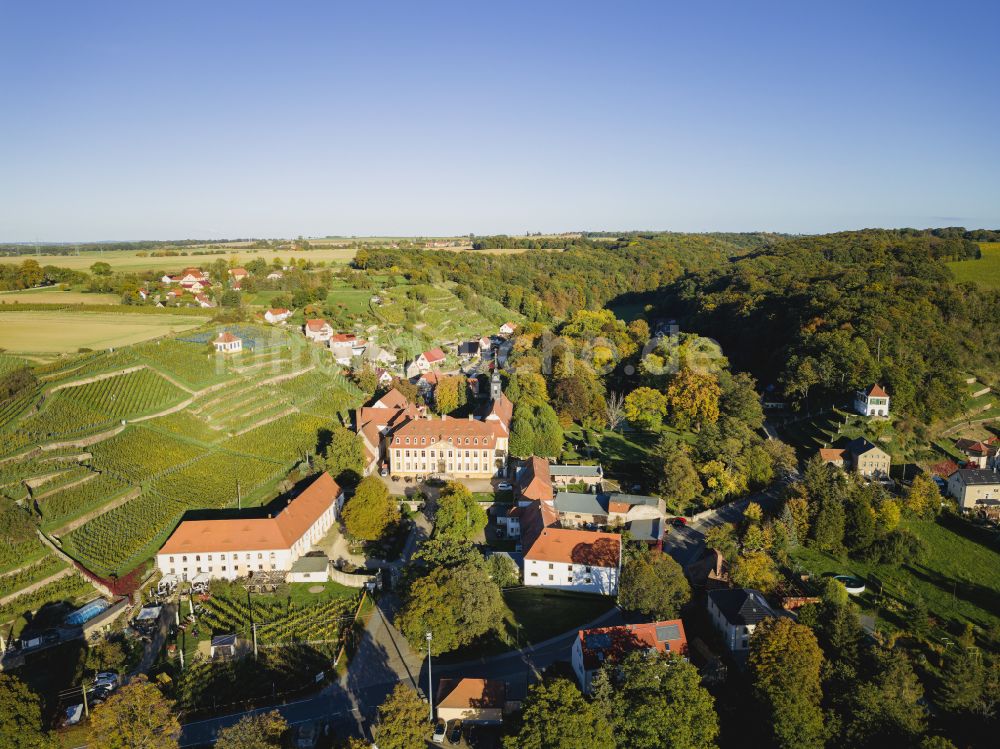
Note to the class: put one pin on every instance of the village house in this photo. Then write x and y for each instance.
(860, 456)
(188, 278)
(384, 377)
(735, 613)
(590, 476)
(277, 315)
(975, 488)
(232, 548)
(237, 276)
(978, 453)
(375, 354)
(592, 648)
(227, 343)
(473, 701)
(508, 329)
(564, 558)
(427, 361)
(318, 330)
(345, 347)
(275, 275)
(872, 402)
(374, 423)
(204, 301)
(426, 384)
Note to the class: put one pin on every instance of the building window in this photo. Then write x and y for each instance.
(171, 560)
(172, 570)
(184, 558)
(551, 565)
(550, 578)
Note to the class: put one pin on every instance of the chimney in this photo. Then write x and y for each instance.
(470, 417)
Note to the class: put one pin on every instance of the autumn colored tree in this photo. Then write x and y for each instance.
(21, 724)
(785, 663)
(645, 407)
(403, 720)
(754, 570)
(344, 456)
(674, 474)
(922, 498)
(458, 513)
(256, 731)
(693, 399)
(371, 511)
(136, 716)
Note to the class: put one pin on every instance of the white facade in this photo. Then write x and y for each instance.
(321, 334)
(970, 487)
(567, 576)
(871, 405)
(273, 316)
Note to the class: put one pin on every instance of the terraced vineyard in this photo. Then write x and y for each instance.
(284, 439)
(86, 408)
(119, 539)
(211, 481)
(65, 505)
(29, 574)
(138, 454)
(191, 363)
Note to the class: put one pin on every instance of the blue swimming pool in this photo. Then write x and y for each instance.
(86, 612)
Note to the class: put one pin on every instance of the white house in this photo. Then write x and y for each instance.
(229, 549)
(974, 486)
(564, 558)
(236, 275)
(318, 330)
(227, 343)
(427, 361)
(204, 301)
(508, 328)
(346, 346)
(735, 613)
(592, 648)
(277, 315)
(872, 402)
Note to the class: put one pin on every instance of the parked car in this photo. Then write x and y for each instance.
(384, 472)
(106, 679)
(679, 522)
(504, 486)
(440, 729)
(455, 732)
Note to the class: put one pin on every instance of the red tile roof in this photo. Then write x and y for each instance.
(535, 481)
(316, 325)
(568, 546)
(434, 355)
(278, 311)
(483, 694)
(627, 638)
(834, 455)
(226, 337)
(876, 391)
(253, 534)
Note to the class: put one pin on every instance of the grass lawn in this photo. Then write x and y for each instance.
(354, 301)
(300, 595)
(64, 332)
(985, 271)
(543, 613)
(537, 615)
(959, 561)
(620, 454)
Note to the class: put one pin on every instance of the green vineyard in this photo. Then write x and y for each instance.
(285, 439)
(138, 454)
(211, 481)
(113, 542)
(70, 503)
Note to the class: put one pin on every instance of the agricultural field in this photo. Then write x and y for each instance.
(56, 295)
(985, 272)
(58, 331)
(130, 261)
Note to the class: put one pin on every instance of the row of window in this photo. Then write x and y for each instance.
(587, 580)
(434, 454)
(222, 557)
(210, 570)
(451, 440)
(450, 467)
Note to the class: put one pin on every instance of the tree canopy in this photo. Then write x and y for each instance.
(371, 511)
(556, 716)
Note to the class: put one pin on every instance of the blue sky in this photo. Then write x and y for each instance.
(217, 119)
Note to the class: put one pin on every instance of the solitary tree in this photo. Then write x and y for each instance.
(369, 513)
(458, 513)
(645, 407)
(654, 584)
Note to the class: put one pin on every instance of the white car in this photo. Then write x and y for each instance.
(439, 730)
(504, 486)
(106, 679)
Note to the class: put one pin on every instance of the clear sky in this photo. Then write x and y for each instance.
(136, 120)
